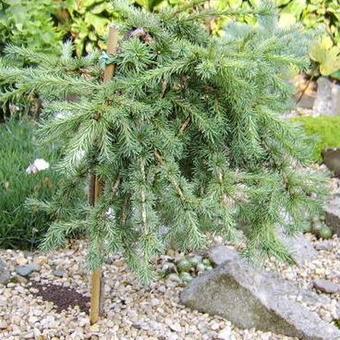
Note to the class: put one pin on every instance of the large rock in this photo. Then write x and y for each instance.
(301, 249)
(332, 210)
(221, 254)
(251, 298)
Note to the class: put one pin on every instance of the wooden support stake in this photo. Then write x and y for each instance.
(96, 189)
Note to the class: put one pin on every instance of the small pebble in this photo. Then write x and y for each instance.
(326, 286)
(3, 324)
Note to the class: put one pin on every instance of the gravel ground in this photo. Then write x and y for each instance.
(325, 266)
(131, 311)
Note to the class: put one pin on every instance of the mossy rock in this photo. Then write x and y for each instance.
(325, 233)
(184, 265)
(325, 129)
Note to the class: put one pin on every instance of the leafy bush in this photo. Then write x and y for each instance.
(43, 24)
(29, 23)
(327, 55)
(86, 22)
(20, 226)
(325, 129)
(313, 14)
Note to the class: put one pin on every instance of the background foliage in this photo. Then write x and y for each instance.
(20, 226)
(312, 14)
(86, 22)
(29, 23)
(42, 24)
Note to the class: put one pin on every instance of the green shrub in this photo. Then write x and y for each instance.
(325, 129)
(19, 226)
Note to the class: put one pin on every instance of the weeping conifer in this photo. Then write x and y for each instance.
(188, 137)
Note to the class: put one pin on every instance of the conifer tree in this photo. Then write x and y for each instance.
(188, 137)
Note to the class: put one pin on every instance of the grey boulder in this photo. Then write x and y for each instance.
(250, 298)
(300, 248)
(27, 270)
(221, 254)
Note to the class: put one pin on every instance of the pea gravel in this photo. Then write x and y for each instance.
(131, 311)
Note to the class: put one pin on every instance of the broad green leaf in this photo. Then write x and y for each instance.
(295, 8)
(326, 42)
(143, 3)
(282, 2)
(89, 3)
(99, 23)
(255, 3)
(309, 20)
(105, 6)
(286, 20)
(318, 53)
(234, 4)
(154, 3)
(336, 75)
(150, 4)
(311, 8)
(332, 62)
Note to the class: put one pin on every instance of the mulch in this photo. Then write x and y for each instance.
(62, 297)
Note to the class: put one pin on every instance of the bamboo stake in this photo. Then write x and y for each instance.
(96, 189)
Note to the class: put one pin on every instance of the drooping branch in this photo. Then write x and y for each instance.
(172, 180)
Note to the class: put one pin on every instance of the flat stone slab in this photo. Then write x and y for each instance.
(332, 211)
(251, 298)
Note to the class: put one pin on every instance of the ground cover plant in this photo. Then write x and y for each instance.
(325, 131)
(186, 139)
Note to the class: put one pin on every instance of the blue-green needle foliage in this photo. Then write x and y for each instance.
(187, 136)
